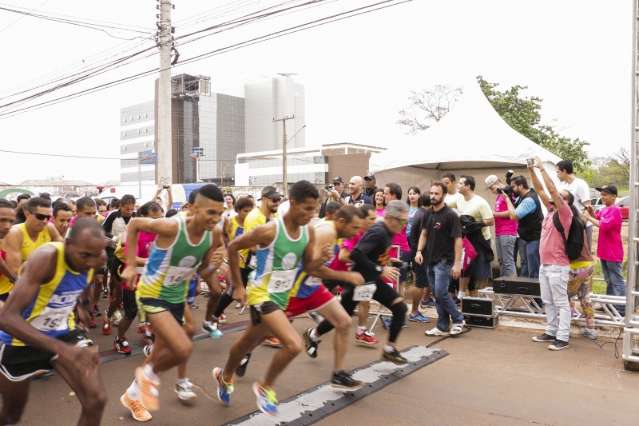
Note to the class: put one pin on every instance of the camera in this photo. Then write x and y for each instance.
(507, 189)
(329, 187)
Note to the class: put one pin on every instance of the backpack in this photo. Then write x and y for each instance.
(575, 242)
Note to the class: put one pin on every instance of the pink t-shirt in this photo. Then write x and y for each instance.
(552, 249)
(145, 240)
(609, 245)
(401, 240)
(338, 265)
(504, 225)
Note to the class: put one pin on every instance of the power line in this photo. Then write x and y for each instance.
(260, 39)
(84, 24)
(42, 154)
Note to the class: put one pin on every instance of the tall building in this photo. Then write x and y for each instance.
(274, 98)
(210, 123)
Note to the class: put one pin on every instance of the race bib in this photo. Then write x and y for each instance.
(52, 319)
(313, 281)
(281, 281)
(177, 275)
(364, 293)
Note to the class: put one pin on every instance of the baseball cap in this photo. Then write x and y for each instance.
(270, 192)
(369, 176)
(338, 179)
(491, 180)
(610, 189)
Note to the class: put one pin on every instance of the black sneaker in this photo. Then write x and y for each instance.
(344, 381)
(558, 345)
(395, 357)
(544, 338)
(311, 345)
(241, 370)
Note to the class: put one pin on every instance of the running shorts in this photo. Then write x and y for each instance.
(263, 308)
(148, 306)
(129, 303)
(20, 363)
(317, 300)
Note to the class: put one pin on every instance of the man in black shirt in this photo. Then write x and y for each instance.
(366, 257)
(441, 237)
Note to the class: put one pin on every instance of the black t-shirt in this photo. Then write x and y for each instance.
(442, 228)
(365, 256)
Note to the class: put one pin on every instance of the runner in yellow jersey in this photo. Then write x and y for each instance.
(25, 238)
(39, 333)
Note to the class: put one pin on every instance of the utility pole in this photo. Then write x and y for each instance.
(164, 171)
(284, 119)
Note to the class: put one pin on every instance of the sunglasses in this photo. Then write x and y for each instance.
(42, 217)
(276, 200)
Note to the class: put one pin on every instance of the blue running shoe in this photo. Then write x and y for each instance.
(224, 390)
(211, 329)
(266, 399)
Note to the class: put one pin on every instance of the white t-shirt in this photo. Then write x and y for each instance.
(580, 190)
(478, 208)
(451, 200)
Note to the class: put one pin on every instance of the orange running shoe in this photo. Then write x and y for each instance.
(149, 392)
(138, 412)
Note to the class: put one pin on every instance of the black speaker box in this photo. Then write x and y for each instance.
(478, 306)
(481, 322)
(517, 285)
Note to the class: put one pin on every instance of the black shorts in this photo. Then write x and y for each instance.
(148, 306)
(264, 308)
(115, 267)
(19, 363)
(421, 276)
(129, 303)
(245, 272)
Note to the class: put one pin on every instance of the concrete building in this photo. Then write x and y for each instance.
(274, 98)
(200, 119)
(318, 165)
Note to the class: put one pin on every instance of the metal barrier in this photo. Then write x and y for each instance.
(524, 306)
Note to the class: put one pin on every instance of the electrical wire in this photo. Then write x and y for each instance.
(373, 7)
(42, 154)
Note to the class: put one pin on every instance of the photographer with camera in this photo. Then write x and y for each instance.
(334, 193)
(529, 215)
(505, 227)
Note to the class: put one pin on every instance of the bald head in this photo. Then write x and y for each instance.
(355, 185)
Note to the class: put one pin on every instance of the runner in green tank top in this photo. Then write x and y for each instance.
(183, 246)
(283, 246)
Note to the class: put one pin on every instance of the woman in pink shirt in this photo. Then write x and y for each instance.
(609, 245)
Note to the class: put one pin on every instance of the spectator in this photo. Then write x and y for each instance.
(505, 228)
(471, 204)
(527, 212)
(356, 191)
(452, 195)
(422, 295)
(554, 272)
(609, 245)
(380, 203)
(336, 195)
(579, 189)
(370, 185)
(439, 249)
(414, 194)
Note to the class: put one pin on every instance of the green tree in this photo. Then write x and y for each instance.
(524, 115)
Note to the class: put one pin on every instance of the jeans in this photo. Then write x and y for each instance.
(439, 278)
(505, 245)
(553, 283)
(529, 253)
(614, 279)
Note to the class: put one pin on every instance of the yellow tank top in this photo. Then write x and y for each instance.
(5, 284)
(29, 245)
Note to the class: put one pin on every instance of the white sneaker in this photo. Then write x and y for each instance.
(457, 328)
(436, 332)
(589, 333)
(185, 391)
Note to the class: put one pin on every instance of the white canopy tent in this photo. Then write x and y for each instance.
(471, 139)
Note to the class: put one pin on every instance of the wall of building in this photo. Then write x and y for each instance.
(347, 166)
(230, 135)
(137, 134)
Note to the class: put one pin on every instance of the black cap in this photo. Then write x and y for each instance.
(610, 189)
(338, 179)
(369, 176)
(270, 192)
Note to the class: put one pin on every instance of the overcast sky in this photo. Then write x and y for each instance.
(575, 54)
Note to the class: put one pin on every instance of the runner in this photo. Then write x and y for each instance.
(25, 238)
(62, 215)
(40, 334)
(115, 228)
(183, 246)
(365, 257)
(233, 228)
(282, 245)
(7, 278)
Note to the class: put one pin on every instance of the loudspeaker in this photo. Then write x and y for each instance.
(478, 306)
(481, 322)
(517, 285)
